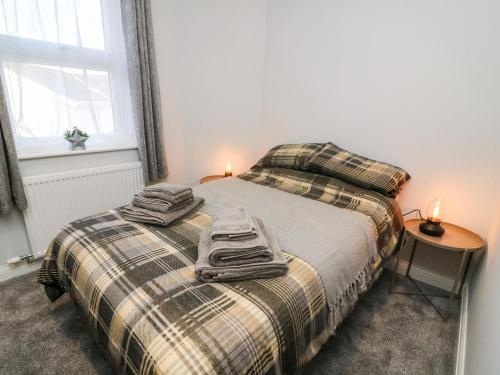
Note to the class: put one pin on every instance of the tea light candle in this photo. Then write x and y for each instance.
(228, 171)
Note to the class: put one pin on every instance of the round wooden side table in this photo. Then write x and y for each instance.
(455, 238)
(211, 178)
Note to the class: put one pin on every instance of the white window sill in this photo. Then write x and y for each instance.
(44, 155)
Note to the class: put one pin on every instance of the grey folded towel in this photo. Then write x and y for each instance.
(169, 192)
(233, 224)
(143, 215)
(208, 273)
(160, 205)
(232, 253)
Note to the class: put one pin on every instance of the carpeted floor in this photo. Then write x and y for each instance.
(385, 334)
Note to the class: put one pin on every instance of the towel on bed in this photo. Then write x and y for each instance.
(160, 205)
(232, 253)
(233, 224)
(207, 273)
(143, 215)
(169, 192)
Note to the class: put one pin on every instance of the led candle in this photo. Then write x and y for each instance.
(228, 169)
(432, 225)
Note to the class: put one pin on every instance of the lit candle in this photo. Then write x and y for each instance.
(228, 169)
(437, 208)
(432, 225)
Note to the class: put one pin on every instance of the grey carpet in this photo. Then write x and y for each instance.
(385, 334)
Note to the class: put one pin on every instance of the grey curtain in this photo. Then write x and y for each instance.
(138, 30)
(11, 183)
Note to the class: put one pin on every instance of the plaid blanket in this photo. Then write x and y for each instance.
(383, 211)
(136, 289)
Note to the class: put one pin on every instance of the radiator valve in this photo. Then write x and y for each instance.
(28, 258)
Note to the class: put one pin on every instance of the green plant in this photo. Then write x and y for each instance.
(71, 132)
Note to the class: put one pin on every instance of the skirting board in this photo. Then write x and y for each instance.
(462, 332)
(423, 275)
(8, 272)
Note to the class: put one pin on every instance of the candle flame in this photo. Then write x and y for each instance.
(228, 167)
(436, 209)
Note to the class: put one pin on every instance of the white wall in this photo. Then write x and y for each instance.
(210, 56)
(414, 83)
(13, 236)
(483, 328)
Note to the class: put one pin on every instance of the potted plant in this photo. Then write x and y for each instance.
(76, 138)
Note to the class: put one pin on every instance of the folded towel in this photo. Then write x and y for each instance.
(160, 205)
(207, 273)
(143, 215)
(233, 224)
(232, 253)
(169, 192)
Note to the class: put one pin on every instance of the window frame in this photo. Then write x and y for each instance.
(111, 60)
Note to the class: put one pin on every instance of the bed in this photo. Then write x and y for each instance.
(134, 285)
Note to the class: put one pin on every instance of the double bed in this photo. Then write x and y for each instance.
(135, 286)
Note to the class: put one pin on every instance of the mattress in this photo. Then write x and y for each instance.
(135, 286)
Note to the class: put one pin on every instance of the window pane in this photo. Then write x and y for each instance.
(73, 22)
(47, 100)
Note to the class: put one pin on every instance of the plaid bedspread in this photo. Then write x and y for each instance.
(383, 211)
(136, 290)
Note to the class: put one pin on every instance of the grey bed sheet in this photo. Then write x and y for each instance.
(338, 243)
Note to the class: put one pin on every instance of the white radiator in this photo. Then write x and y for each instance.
(55, 200)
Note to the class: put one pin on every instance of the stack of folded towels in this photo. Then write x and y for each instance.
(238, 247)
(161, 204)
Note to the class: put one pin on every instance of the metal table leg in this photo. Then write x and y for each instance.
(471, 255)
(398, 257)
(461, 274)
(394, 273)
(459, 278)
(412, 255)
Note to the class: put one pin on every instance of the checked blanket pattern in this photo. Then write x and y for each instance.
(383, 210)
(367, 173)
(136, 289)
(291, 156)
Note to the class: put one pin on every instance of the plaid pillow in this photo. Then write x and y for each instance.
(358, 170)
(290, 156)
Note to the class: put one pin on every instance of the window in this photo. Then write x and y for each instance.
(63, 64)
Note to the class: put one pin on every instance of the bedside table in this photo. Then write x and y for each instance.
(211, 178)
(455, 238)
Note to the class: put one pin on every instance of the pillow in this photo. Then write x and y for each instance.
(290, 156)
(358, 170)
